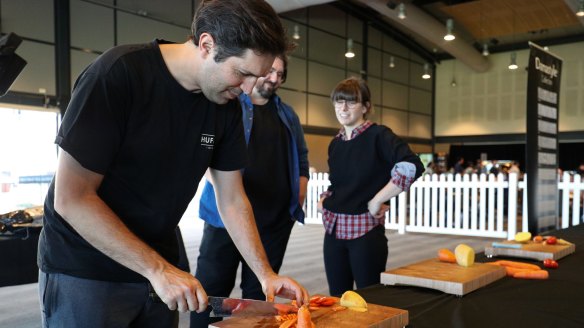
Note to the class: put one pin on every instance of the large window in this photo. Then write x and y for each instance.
(28, 156)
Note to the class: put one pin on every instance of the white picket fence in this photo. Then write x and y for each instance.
(469, 205)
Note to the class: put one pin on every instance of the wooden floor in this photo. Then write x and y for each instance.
(19, 306)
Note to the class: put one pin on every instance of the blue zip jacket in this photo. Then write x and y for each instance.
(297, 153)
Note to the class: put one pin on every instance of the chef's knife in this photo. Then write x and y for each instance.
(227, 307)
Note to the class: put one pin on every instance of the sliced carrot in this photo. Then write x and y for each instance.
(286, 317)
(532, 274)
(520, 265)
(446, 255)
(289, 323)
(315, 299)
(328, 301)
(493, 263)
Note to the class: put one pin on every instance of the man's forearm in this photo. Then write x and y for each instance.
(237, 215)
(240, 224)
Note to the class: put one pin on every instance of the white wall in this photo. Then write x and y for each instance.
(495, 102)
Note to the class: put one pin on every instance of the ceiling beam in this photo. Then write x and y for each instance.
(281, 6)
(575, 5)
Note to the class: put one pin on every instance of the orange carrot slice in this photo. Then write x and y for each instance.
(288, 323)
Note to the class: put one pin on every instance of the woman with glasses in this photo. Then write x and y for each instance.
(368, 166)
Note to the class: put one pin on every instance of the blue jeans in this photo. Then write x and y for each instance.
(68, 301)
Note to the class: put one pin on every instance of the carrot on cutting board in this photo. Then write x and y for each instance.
(289, 323)
(532, 274)
(520, 265)
(446, 255)
(304, 320)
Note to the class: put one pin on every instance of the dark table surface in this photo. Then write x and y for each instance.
(18, 253)
(508, 302)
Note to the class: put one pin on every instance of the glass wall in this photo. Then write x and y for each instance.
(28, 156)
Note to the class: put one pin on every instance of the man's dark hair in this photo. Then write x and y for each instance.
(238, 25)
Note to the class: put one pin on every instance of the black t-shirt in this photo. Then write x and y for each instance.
(362, 166)
(152, 140)
(265, 177)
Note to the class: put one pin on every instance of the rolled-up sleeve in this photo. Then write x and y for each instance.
(403, 175)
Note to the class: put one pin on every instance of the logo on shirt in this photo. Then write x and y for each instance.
(207, 141)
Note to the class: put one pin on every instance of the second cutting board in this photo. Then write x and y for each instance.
(449, 278)
(532, 250)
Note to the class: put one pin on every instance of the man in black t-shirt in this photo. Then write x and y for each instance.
(143, 125)
(275, 180)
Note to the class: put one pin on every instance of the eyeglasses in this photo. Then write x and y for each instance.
(341, 103)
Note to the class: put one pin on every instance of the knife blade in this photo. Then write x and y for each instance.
(227, 307)
(502, 245)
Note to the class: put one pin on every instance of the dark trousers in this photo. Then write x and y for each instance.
(219, 259)
(68, 301)
(359, 260)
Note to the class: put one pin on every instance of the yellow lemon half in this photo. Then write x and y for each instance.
(353, 301)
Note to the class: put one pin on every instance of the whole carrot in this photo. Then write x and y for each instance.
(304, 320)
(532, 274)
(511, 271)
(520, 265)
(446, 255)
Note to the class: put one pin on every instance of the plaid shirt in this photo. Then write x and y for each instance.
(352, 226)
(349, 226)
(356, 131)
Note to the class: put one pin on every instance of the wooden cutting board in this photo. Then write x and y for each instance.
(450, 278)
(377, 316)
(532, 250)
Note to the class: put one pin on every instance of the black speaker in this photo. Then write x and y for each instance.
(10, 63)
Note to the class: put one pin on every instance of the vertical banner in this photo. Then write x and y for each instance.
(543, 96)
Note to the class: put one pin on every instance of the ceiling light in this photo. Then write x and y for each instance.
(580, 12)
(513, 63)
(449, 27)
(401, 11)
(426, 72)
(486, 50)
(453, 82)
(296, 34)
(349, 53)
(391, 62)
